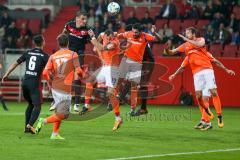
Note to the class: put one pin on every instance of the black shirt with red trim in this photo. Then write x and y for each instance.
(78, 37)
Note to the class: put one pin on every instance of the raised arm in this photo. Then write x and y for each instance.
(199, 43)
(157, 36)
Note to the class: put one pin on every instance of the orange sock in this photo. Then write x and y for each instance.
(55, 118)
(115, 103)
(217, 104)
(56, 126)
(205, 117)
(134, 97)
(88, 93)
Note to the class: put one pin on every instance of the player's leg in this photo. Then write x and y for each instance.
(112, 94)
(199, 85)
(204, 117)
(36, 101)
(97, 76)
(28, 111)
(77, 84)
(211, 84)
(3, 102)
(63, 102)
(134, 77)
(111, 77)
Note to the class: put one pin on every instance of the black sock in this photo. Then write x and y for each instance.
(35, 114)
(144, 94)
(3, 103)
(28, 113)
(77, 90)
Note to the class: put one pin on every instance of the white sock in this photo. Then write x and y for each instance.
(132, 109)
(86, 105)
(117, 118)
(54, 134)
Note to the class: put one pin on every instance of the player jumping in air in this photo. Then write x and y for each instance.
(203, 74)
(59, 72)
(35, 60)
(131, 64)
(109, 52)
(205, 123)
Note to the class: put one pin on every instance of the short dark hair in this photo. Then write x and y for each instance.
(192, 29)
(108, 32)
(81, 13)
(38, 40)
(63, 40)
(137, 26)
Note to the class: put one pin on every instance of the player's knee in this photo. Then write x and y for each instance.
(214, 92)
(198, 95)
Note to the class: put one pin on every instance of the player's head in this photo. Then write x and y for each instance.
(137, 30)
(63, 40)
(38, 40)
(81, 18)
(109, 34)
(191, 32)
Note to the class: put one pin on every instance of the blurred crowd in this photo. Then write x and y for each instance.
(224, 26)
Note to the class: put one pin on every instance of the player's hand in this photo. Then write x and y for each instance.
(172, 77)
(231, 72)
(181, 36)
(91, 33)
(153, 29)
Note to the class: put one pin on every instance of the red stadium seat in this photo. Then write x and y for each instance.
(34, 25)
(230, 51)
(154, 11)
(175, 25)
(126, 12)
(160, 22)
(202, 23)
(20, 21)
(188, 23)
(158, 49)
(140, 12)
(216, 50)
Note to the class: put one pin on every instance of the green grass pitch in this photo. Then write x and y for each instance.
(166, 131)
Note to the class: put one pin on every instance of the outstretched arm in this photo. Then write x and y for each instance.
(10, 70)
(200, 43)
(178, 71)
(220, 65)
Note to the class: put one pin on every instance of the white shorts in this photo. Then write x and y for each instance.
(130, 70)
(62, 98)
(206, 93)
(108, 75)
(204, 80)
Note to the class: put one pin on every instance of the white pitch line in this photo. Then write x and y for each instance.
(176, 154)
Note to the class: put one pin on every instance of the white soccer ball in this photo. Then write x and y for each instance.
(113, 8)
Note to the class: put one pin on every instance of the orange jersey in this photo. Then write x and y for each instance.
(197, 57)
(110, 57)
(136, 49)
(60, 67)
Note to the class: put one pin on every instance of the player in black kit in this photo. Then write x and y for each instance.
(35, 60)
(77, 31)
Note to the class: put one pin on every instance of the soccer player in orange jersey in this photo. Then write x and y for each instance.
(200, 63)
(131, 64)
(109, 53)
(205, 123)
(59, 72)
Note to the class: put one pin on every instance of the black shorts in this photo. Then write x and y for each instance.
(32, 91)
(80, 55)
